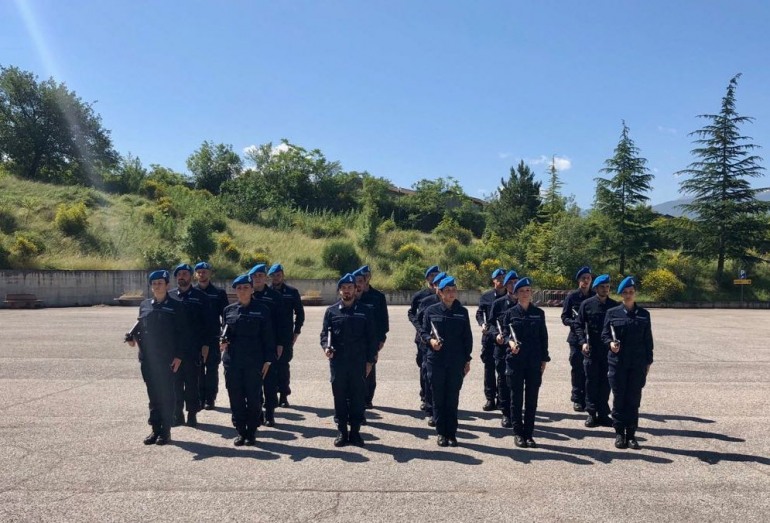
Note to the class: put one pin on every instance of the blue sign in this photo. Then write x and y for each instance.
(742, 275)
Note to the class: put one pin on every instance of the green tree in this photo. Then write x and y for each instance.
(553, 201)
(127, 177)
(516, 202)
(212, 165)
(729, 216)
(197, 241)
(621, 198)
(50, 134)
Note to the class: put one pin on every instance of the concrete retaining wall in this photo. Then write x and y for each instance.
(84, 288)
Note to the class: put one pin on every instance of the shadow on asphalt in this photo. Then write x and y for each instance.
(525, 455)
(412, 413)
(296, 453)
(712, 457)
(404, 455)
(202, 451)
(663, 418)
(690, 434)
(608, 456)
(319, 412)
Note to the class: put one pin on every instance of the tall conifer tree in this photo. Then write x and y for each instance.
(726, 208)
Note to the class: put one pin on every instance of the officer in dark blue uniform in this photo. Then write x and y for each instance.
(282, 329)
(201, 330)
(426, 302)
(628, 331)
(375, 299)
(588, 329)
(294, 317)
(499, 306)
(349, 341)
(483, 314)
(209, 377)
(526, 358)
(248, 349)
(446, 330)
(159, 333)
(569, 318)
(417, 297)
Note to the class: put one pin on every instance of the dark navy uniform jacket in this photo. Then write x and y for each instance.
(250, 333)
(354, 338)
(532, 334)
(568, 316)
(293, 310)
(454, 327)
(427, 301)
(217, 302)
(496, 313)
(485, 310)
(274, 301)
(634, 331)
(161, 332)
(417, 297)
(591, 315)
(376, 300)
(201, 329)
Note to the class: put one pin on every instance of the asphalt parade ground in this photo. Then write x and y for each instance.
(74, 411)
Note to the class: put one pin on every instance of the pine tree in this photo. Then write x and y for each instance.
(553, 202)
(516, 202)
(622, 198)
(728, 213)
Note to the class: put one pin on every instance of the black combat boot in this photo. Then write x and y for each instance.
(342, 438)
(631, 439)
(489, 406)
(152, 438)
(355, 437)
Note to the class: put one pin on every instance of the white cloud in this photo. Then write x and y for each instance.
(247, 151)
(562, 162)
(503, 156)
(666, 130)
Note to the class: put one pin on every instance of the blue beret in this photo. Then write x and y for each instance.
(364, 269)
(524, 282)
(158, 275)
(277, 267)
(431, 269)
(498, 272)
(601, 279)
(628, 281)
(203, 265)
(511, 275)
(448, 281)
(348, 278)
(182, 267)
(356, 273)
(240, 280)
(582, 271)
(260, 267)
(440, 276)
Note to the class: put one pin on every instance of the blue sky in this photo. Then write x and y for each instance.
(407, 89)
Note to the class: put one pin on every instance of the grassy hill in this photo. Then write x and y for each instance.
(138, 232)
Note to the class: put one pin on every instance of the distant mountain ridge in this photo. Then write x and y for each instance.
(672, 207)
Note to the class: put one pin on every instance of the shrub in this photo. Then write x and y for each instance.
(148, 215)
(23, 248)
(684, 267)
(488, 266)
(228, 248)
(152, 189)
(449, 228)
(468, 276)
(409, 252)
(548, 280)
(71, 219)
(366, 227)
(166, 207)
(408, 276)
(400, 238)
(197, 242)
(159, 258)
(341, 256)
(7, 221)
(259, 256)
(304, 261)
(5, 255)
(386, 226)
(663, 285)
(451, 246)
